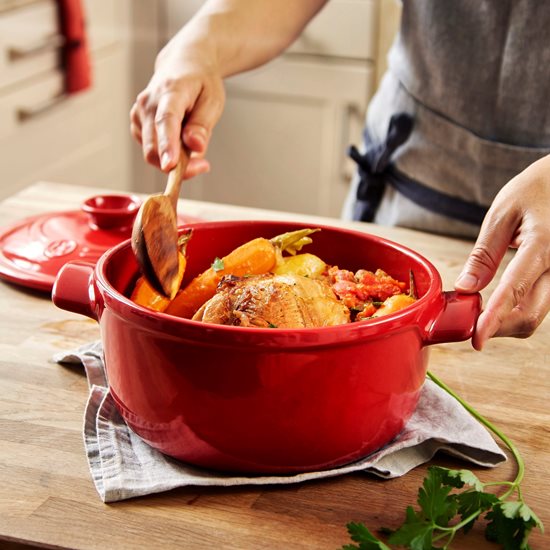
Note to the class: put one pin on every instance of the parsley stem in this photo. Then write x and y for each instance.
(449, 533)
(513, 449)
(446, 531)
(501, 483)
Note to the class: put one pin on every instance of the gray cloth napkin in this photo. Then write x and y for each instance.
(123, 466)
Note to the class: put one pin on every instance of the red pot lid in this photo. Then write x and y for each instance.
(33, 250)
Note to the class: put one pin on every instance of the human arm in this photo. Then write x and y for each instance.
(224, 38)
(518, 218)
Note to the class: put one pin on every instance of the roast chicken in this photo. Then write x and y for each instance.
(276, 301)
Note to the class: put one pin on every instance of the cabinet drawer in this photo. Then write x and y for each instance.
(24, 107)
(343, 28)
(30, 38)
(56, 142)
(24, 30)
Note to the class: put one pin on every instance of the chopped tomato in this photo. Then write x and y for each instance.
(379, 285)
(359, 290)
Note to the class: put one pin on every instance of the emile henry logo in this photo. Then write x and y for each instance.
(60, 247)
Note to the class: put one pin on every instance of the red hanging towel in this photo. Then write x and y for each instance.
(75, 53)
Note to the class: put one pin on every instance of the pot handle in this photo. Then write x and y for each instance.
(74, 290)
(457, 320)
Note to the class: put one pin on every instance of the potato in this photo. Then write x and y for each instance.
(307, 265)
(394, 303)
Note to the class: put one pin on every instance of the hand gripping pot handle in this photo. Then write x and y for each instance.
(457, 319)
(74, 290)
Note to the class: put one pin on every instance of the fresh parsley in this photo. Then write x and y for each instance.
(217, 264)
(451, 500)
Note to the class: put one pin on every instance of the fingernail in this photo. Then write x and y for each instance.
(165, 160)
(466, 281)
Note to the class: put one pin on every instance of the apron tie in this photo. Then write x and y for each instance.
(373, 164)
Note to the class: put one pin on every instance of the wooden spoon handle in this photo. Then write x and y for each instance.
(175, 177)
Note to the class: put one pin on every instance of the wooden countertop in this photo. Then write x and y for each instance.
(47, 497)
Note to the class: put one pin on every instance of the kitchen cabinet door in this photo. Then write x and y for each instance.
(281, 142)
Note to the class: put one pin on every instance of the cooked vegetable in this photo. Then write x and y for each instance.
(364, 294)
(145, 295)
(252, 258)
(412, 285)
(393, 304)
(307, 265)
(292, 241)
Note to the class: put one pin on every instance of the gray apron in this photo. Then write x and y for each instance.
(463, 108)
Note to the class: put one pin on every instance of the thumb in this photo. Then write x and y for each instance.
(483, 261)
(467, 281)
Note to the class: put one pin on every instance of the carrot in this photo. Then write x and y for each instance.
(145, 295)
(254, 257)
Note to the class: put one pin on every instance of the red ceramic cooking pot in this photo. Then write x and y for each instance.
(267, 400)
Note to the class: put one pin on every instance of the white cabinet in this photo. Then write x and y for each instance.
(281, 142)
(44, 134)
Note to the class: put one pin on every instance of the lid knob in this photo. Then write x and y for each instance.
(114, 211)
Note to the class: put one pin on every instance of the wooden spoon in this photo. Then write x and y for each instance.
(155, 233)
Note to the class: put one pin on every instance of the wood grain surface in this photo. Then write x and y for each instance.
(47, 497)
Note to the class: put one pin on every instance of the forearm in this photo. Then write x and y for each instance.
(225, 37)
(240, 35)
